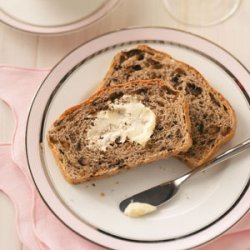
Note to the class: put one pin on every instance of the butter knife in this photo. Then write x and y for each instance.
(159, 195)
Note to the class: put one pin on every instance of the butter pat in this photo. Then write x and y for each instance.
(137, 209)
(125, 118)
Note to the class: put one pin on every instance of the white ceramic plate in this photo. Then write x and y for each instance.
(206, 206)
(53, 16)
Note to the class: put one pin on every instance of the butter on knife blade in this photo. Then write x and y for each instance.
(137, 209)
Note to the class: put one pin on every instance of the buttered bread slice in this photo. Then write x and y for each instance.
(119, 128)
(213, 120)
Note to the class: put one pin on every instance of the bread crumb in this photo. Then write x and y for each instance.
(117, 182)
(41, 146)
(93, 184)
(102, 194)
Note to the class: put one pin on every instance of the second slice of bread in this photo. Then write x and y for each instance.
(79, 162)
(213, 120)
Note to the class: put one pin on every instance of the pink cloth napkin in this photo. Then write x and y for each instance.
(37, 227)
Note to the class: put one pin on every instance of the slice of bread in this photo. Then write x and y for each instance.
(82, 160)
(213, 120)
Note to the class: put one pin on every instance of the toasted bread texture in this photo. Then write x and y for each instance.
(69, 141)
(213, 120)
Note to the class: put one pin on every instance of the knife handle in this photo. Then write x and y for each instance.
(218, 159)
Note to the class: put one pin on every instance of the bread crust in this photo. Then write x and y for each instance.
(160, 155)
(192, 163)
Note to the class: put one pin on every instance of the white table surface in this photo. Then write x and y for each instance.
(29, 50)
